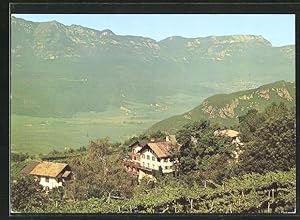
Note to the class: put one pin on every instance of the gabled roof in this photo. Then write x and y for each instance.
(161, 149)
(142, 143)
(29, 167)
(48, 169)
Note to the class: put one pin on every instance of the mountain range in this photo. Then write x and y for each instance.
(59, 70)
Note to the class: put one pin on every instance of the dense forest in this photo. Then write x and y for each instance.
(208, 177)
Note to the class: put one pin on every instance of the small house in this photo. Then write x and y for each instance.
(49, 174)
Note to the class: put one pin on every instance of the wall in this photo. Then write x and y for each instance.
(163, 163)
(135, 154)
(51, 184)
(167, 163)
(136, 149)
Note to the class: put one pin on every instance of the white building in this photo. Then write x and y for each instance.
(49, 174)
(156, 155)
(148, 157)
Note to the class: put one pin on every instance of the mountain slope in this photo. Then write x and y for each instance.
(59, 70)
(225, 108)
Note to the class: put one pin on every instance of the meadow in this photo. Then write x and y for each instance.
(36, 135)
(43, 134)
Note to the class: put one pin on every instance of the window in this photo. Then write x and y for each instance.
(153, 158)
(166, 167)
(143, 164)
(143, 156)
(148, 165)
(153, 166)
(47, 179)
(134, 158)
(148, 157)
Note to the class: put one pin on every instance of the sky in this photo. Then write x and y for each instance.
(278, 29)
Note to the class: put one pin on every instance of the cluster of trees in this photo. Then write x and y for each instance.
(60, 155)
(100, 174)
(269, 139)
(18, 157)
(203, 154)
(208, 180)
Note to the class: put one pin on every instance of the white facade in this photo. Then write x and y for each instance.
(49, 182)
(149, 160)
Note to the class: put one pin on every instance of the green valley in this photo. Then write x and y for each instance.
(72, 83)
(107, 123)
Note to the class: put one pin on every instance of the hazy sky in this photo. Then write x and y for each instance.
(278, 29)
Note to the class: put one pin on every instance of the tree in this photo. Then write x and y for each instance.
(101, 174)
(273, 146)
(17, 157)
(97, 150)
(25, 194)
(202, 153)
(157, 134)
(248, 124)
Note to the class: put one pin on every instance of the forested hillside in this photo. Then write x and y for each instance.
(226, 108)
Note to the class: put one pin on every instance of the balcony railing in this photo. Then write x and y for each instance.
(136, 165)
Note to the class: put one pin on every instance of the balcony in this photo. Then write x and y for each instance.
(131, 163)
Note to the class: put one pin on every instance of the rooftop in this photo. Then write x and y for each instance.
(161, 149)
(49, 169)
(29, 167)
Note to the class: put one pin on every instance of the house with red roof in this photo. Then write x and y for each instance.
(146, 157)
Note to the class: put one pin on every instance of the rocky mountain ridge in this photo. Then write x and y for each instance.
(225, 108)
